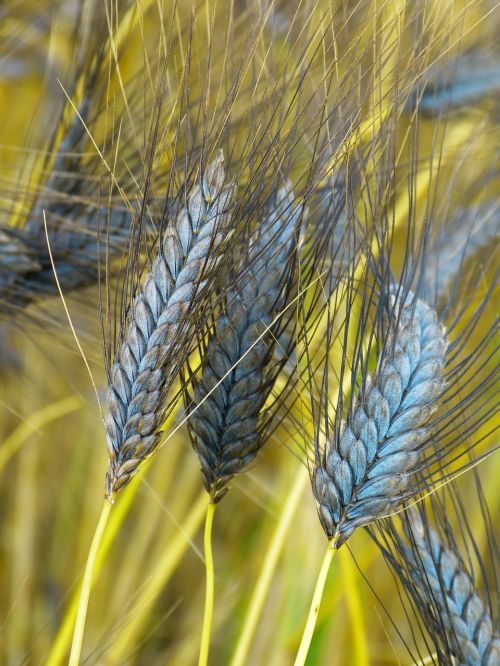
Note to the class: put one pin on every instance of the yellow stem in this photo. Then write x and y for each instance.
(269, 567)
(137, 618)
(300, 659)
(62, 640)
(209, 589)
(76, 646)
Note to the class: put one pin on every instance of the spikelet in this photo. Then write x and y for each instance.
(439, 576)
(16, 257)
(365, 469)
(160, 317)
(237, 369)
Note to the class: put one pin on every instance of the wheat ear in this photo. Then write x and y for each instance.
(26, 272)
(81, 234)
(236, 374)
(457, 83)
(461, 242)
(160, 317)
(443, 581)
(366, 468)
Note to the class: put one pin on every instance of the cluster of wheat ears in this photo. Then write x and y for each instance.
(278, 220)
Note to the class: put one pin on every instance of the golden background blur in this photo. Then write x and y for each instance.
(147, 602)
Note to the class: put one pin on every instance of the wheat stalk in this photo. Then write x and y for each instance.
(238, 372)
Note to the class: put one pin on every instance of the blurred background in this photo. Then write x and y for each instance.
(147, 603)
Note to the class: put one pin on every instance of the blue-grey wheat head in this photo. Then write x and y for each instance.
(236, 376)
(17, 259)
(365, 468)
(457, 83)
(448, 589)
(462, 242)
(163, 309)
(80, 233)
(26, 272)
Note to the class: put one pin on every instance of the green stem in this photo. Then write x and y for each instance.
(76, 646)
(209, 589)
(316, 602)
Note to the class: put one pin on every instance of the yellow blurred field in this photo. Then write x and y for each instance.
(146, 605)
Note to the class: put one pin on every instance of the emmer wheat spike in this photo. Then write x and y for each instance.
(26, 270)
(163, 309)
(454, 603)
(459, 242)
(236, 376)
(366, 468)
